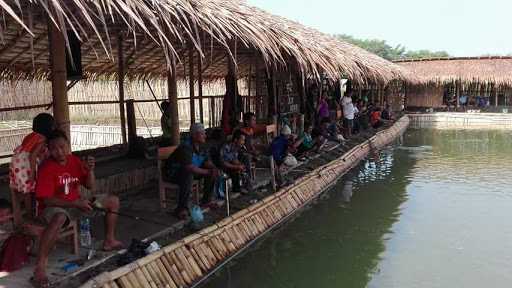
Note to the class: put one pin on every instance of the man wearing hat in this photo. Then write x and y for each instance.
(189, 161)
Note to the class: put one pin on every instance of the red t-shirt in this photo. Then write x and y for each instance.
(60, 181)
(375, 117)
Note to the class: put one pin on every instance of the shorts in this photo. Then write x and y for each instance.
(70, 212)
(348, 123)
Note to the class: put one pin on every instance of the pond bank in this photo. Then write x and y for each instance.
(454, 120)
(191, 259)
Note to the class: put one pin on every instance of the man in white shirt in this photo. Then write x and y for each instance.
(348, 113)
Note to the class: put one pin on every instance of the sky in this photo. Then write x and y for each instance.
(460, 27)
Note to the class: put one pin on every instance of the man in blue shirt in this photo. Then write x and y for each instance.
(189, 161)
(281, 144)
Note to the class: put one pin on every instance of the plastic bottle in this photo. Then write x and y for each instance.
(85, 233)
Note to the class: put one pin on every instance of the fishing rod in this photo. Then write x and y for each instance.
(95, 207)
(154, 96)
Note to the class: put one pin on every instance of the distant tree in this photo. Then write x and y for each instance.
(425, 54)
(386, 51)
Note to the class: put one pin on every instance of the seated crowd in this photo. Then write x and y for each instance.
(236, 156)
(56, 185)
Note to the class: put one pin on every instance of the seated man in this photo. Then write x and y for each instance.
(283, 145)
(248, 131)
(375, 118)
(189, 161)
(234, 162)
(386, 113)
(58, 194)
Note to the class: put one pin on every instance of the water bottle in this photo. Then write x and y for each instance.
(85, 233)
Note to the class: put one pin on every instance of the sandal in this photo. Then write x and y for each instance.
(113, 248)
(40, 283)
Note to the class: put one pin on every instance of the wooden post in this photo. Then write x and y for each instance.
(59, 78)
(200, 86)
(257, 94)
(132, 122)
(457, 93)
(274, 92)
(249, 82)
(232, 78)
(496, 96)
(172, 91)
(191, 83)
(120, 78)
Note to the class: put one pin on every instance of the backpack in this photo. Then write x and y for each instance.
(14, 253)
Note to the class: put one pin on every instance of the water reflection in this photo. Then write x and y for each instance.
(335, 243)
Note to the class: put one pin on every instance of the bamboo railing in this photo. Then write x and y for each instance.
(185, 262)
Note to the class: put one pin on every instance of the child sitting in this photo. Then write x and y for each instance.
(23, 167)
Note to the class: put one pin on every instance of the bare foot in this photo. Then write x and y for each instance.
(39, 279)
(112, 245)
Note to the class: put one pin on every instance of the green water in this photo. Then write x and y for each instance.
(434, 211)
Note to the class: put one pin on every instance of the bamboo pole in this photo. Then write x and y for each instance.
(191, 83)
(172, 91)
(59, 78)
(249, 86)
(496, 96)
(200, 86)
(120, 79)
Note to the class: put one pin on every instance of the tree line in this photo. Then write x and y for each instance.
(386, 51)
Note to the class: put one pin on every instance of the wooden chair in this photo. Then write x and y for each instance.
(163, 186)
(35, 229)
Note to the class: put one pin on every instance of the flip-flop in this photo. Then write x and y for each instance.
(114, 248)
(40, 283)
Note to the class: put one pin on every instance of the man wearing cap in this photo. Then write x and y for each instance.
(189, 161)
(281, 145)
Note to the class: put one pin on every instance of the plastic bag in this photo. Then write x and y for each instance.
(196, 214)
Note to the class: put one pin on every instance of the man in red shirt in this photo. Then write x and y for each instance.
(58, 194)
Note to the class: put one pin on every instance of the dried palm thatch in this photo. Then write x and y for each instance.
(157, 32)
(467, 70)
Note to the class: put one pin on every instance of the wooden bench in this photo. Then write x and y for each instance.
(35, 229)
(163, 185)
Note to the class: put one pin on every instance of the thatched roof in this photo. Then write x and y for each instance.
(496, 70)
(156, 31)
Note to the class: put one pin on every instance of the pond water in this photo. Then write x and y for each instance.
(431, 212)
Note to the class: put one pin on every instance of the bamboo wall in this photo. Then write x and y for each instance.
(424, 96)
(190, 259)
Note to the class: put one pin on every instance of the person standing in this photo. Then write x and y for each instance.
(348, 113)
(322, 109)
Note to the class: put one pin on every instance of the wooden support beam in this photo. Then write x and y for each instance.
(457, 93)
(496, 96)
(249, 80)
(132, 123)
(57, 56)
(191, 83)
(200, 86)
(233, 90)
(275, 106)
(120, 78)
(172, 90)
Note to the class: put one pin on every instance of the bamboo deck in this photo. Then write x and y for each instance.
(184, 262)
